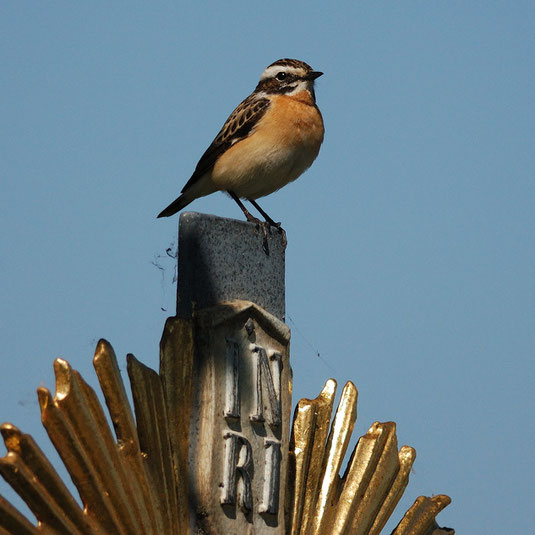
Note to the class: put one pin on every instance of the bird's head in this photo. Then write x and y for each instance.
(288, 76)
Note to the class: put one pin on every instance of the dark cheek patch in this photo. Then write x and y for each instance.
(286, 89)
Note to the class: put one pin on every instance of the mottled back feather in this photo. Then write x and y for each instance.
(237, 127)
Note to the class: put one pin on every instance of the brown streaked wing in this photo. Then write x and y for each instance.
(237, 127)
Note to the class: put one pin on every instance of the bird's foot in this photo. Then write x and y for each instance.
(268, 219)
(266, 227)
(272, 223)
(280, 230)
(253, 219)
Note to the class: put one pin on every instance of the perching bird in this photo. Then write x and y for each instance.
(269, 140)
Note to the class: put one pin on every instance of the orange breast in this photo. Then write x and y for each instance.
(280, 147)
(296, 120)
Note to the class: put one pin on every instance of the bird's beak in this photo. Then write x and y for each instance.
(313, 75)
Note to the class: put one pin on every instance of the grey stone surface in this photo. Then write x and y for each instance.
(223, 259)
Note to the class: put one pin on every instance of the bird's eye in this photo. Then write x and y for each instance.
(281, 76)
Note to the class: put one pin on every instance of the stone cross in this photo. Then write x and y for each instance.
(231, 284)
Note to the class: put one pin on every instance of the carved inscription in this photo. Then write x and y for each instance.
(242, 462)
(232, 407)
(238, 466)
(267, 379)
(270, 498)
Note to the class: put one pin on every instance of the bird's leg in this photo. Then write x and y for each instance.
(264, 215)
(249, 217)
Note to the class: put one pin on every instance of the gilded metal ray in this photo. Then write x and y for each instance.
(307, 450)
(133, 478)
(11, 521)
(151, 416)
(420, 518)
(176, 365)
(128, 443)
(127, 483)
(362, 501)
(29, 472)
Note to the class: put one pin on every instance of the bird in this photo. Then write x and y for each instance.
(269, 140)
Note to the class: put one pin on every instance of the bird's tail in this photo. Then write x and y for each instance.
(176, 205)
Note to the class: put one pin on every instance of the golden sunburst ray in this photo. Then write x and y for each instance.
(362, 501)
(134, 479)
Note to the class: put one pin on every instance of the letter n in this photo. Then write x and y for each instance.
(267, 378)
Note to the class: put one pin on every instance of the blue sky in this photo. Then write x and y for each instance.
(411, 259)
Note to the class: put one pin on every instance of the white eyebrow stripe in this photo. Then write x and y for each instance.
(271, 71)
